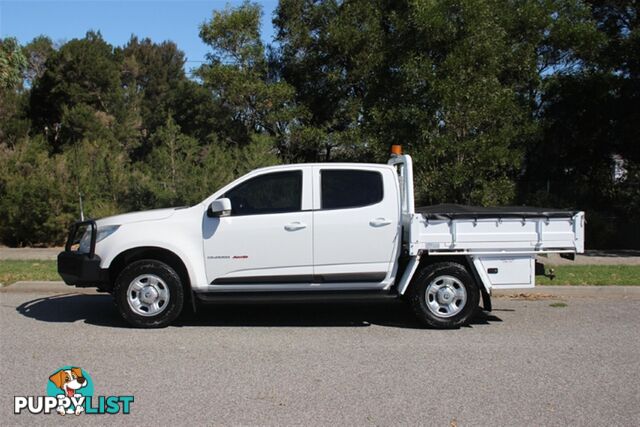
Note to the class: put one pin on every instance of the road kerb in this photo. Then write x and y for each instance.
(44, 287)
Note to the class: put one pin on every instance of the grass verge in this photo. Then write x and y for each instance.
(596, 275)
(576, 275)
(13, 271)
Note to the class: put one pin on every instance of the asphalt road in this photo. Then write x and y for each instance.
(527, 363)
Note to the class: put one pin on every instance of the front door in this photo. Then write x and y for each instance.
(267, 239)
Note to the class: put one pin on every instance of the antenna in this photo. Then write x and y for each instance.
(81, 208)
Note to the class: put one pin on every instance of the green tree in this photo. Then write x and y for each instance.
(239, 78)
(175, 165)
(183, 173)
(83, 71)
(152, 72)
(201, 116)
(329, 52)
(590, 115)
(36, 52)
(493, 99)
(12, 63)
(34, 209)
(100, 170)
(467, 121)
(457, 83)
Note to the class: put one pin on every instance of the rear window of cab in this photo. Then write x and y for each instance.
(344, 188)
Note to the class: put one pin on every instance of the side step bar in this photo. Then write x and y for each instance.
(293, 297)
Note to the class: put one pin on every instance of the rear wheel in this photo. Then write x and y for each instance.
(149, 294)
(444, 295)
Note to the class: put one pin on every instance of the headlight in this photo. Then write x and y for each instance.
(85, 241)
(104, 232)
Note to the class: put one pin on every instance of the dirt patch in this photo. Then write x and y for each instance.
(528, 297)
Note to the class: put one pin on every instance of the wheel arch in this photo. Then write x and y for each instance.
(466, 262)
(150, 252)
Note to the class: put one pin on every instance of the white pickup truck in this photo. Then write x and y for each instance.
(316, 232)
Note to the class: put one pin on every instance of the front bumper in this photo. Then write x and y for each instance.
(82, 269)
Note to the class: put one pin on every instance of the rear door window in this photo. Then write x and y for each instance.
(342, 189)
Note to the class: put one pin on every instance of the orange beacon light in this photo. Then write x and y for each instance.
(396, 150)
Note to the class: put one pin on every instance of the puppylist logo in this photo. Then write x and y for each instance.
(70, 391)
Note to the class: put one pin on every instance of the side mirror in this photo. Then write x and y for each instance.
(220, 207)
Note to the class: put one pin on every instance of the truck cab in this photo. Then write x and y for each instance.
(304, 227)
(306, 232)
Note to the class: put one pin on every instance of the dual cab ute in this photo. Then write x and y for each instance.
(316, 231)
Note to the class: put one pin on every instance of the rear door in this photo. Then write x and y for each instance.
(356, 221)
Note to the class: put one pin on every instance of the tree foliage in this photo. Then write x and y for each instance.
(12, 63)
(499, 102)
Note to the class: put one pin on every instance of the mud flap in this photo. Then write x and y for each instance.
(486, 299)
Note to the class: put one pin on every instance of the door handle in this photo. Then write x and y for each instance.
(296, 225)
(379, 222)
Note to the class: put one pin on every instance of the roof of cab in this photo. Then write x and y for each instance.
(330, 164)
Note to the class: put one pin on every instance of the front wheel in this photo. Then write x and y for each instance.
(149, 294)
(444, 295)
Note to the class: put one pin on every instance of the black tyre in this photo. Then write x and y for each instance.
(149, 294)
(444, 295)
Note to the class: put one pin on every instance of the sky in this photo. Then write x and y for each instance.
(117, 20)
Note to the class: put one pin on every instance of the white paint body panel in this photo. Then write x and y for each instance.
(342, 241)
(247, 246)
(511, 272)
(261, 245)
(509, 244)
(179, 232)
(529, 235)
(357, 240)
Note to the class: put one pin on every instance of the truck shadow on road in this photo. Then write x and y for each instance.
(99, 310)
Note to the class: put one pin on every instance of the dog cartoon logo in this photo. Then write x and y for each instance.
(69, 381)
(70, 390)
